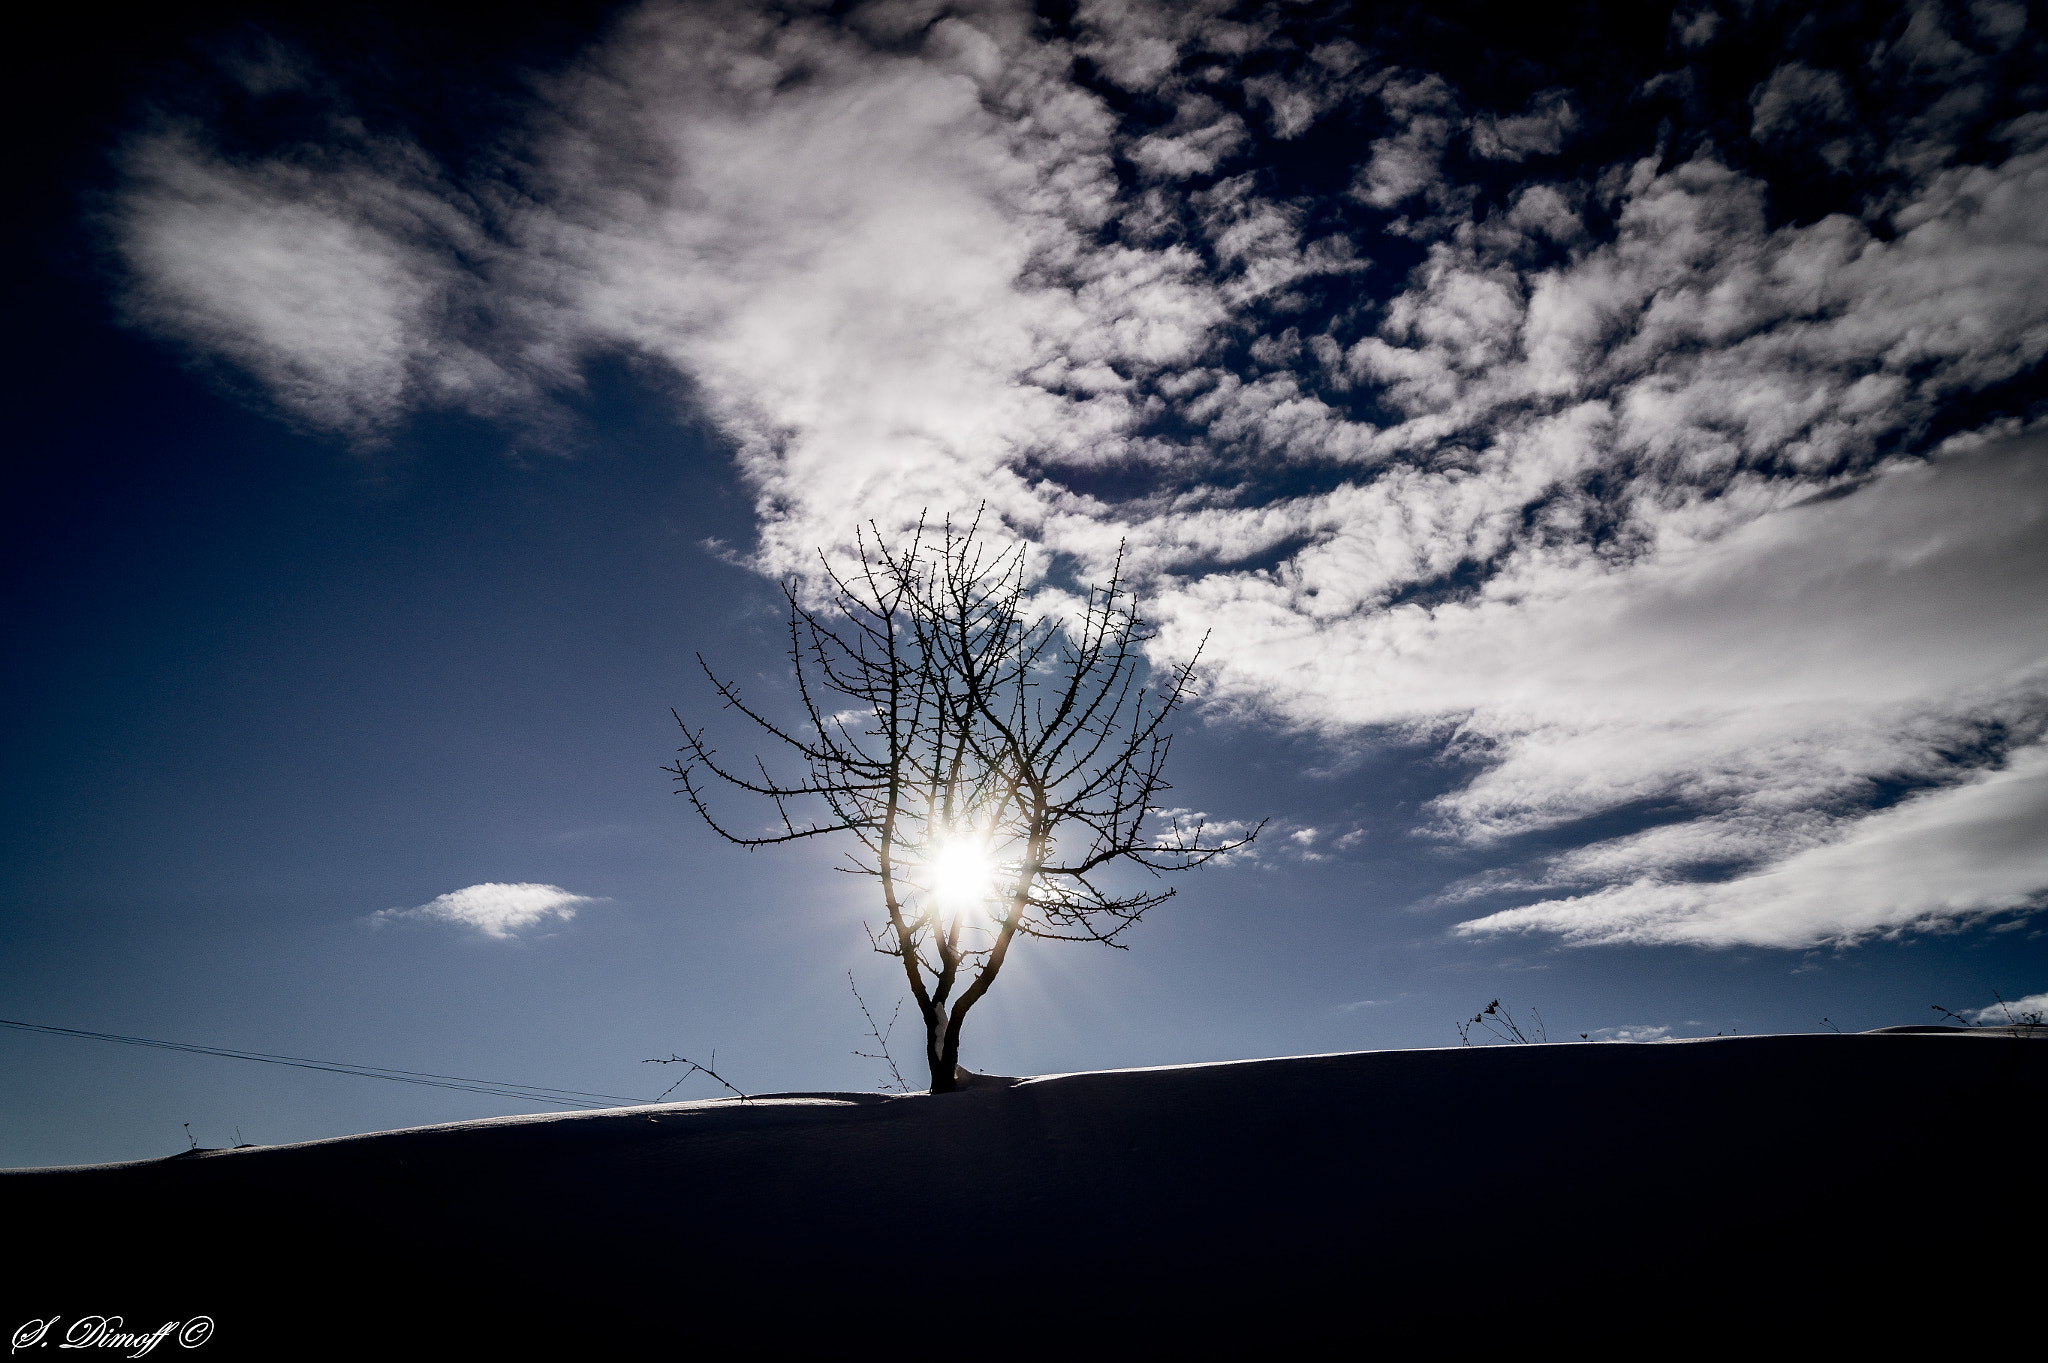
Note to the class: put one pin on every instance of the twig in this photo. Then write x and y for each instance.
(1499, 1023)
(2022, 1020)
(881, 1037)
(939, 705)
(695, 1068)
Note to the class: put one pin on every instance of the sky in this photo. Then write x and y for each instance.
(1601, 454)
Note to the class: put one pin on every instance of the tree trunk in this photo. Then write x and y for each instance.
(949, 1057)
(941, 1049)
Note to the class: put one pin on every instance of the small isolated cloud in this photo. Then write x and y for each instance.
(494, 909)
(1304, 840)
(1372, 1003)
(2033, 1006)
(1608, 1034)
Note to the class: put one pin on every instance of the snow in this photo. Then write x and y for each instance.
(1386, 1194)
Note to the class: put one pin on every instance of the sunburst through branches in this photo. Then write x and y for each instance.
(993, 762)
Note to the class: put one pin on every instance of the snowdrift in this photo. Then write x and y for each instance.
(1450, 1198)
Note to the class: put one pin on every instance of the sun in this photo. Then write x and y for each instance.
(961, 875)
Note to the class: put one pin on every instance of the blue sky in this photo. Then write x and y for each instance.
(1603, 456)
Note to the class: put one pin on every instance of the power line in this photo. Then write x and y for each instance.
(572, 1098)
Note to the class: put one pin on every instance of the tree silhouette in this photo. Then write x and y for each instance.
(994, 758)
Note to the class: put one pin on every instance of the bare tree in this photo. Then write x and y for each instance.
(995, 763)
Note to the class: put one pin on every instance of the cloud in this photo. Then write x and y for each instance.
(1372, 1003)
(1549, 119)
(1799, 101)
(1628, 1034)
(1191, 827)
(2018, 1010)
(1694, 27)
(1795, 96)
(1298, 99)
(1770, 672)
(1643, 498)
(494, 909)
(1943, 857)
(1408, 161)
(327, 280)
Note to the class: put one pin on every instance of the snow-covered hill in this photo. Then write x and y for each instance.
(1445, 1197)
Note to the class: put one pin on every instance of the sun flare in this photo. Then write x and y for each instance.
(961, 875)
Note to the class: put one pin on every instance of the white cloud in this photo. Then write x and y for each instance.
(1296, 101)
(1912, 597)
(1694, 27)
(1999, 21)
(494, 909)
(1193, 827)
(1541, 129)
(1373, 1003)
(1408, 162)
(2017, 1010)
(1795, 96)
(326, 280)
(1934, 860)
(895, 259)
(1798, 103)
(1628, 1034)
